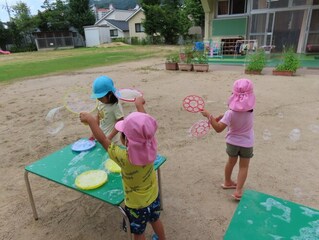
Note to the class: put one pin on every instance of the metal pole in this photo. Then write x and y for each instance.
(127, 222)
(26, 179)
(160, 187)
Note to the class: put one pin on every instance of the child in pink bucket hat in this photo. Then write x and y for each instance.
(139, 129)
(142, 202)
(243, 98)
(239, 120)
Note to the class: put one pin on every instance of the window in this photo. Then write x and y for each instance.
(230, 7)
(278, 4)
(299, 2)
(313, 37)
(139, 27)
(114, 33)
(260, 4)
(314, 24)
(222, 7)
(258, 23)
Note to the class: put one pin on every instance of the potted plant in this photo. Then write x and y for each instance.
(172, 62)
(289, 64)
(185, 59)
(256, 62)
(200, 62)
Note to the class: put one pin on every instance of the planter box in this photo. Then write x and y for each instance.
(282, 73)
(185, 66)
(253, 72)
(171, 66)
(200, 67)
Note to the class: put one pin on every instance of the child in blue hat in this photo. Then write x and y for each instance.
(110, 110)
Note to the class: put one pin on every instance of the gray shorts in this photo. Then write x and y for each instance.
(235, 151)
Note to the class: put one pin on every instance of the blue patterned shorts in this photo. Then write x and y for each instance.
(139, 217)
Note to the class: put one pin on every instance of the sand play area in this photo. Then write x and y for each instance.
(285, 162)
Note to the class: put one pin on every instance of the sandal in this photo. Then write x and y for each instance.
(236, 197)
(233, 186)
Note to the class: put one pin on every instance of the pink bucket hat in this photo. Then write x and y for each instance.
(243, 98)
(140, 129)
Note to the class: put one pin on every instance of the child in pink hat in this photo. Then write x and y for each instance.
(142, 203)
(239, 120)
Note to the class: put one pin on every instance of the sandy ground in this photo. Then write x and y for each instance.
(195, 207)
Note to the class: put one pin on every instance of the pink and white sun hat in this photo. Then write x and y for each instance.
(243, 98)
(140, 129)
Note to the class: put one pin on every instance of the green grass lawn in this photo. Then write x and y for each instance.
(31, 64)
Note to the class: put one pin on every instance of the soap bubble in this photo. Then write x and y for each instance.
(54, 123)
(294, 135)
(314, 128)
(266, 135)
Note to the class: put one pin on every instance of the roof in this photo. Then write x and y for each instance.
(118, 14)
(137, 10)
(102, 9)
(122, 25)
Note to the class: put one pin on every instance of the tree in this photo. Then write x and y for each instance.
(22, 25)
(170, 23)
(154, 16)
(54, 17)
(170, 19)
(80, 14)
(184, 23)
(15, 34)
(4, 36)
(161, 19)
(194, 10)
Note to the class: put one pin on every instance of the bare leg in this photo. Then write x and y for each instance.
(242, 175)
(139, 237)
(228, 171)
(158, 229)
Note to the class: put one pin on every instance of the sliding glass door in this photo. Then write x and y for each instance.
(287, 28)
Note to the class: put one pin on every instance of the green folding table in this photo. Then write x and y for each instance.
(64, 165)
(260, 216)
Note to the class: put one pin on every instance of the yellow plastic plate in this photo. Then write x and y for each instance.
(91, 179)
(112, 166)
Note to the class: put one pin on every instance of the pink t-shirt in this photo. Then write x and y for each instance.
(240, 128)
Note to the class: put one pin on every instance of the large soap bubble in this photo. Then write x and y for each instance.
(54, 120)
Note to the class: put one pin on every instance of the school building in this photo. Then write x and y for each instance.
(272, 24)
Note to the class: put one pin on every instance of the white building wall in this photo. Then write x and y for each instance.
(95, 36)
(138, 18)
(105, 35)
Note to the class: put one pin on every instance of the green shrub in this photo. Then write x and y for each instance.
(290, 61)
(187, 52)
(134, 40)
(200, 57)
(172, 58)
(256, 61)
(121, 39)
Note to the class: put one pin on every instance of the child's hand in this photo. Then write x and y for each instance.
(205, 113)
(139, 104)
(139, 101)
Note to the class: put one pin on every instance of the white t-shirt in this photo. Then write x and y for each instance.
(109, 114)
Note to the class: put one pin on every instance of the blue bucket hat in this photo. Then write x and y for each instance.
(101, 86)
